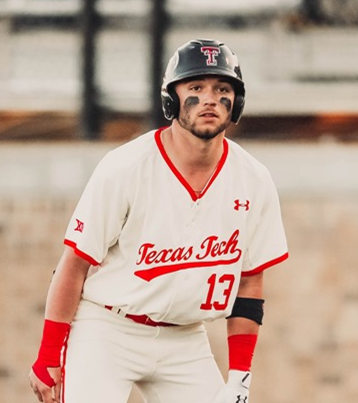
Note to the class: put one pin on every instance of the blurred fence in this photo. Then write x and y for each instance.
(334, 12)
(295, 64)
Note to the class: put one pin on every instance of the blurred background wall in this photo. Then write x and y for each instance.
(78, 78)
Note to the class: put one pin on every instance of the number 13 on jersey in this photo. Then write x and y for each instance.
(226, 281)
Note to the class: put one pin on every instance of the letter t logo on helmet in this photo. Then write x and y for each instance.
(210, 52)
(202, 57)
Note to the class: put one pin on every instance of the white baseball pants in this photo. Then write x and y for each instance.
(107, 354)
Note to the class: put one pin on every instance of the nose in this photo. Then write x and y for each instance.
(209, 97)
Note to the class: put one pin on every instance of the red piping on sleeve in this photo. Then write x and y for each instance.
(79, 253)
(265, 266)
(63, 371)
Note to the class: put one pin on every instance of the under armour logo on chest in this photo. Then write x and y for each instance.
(245, 205)
(241, 399)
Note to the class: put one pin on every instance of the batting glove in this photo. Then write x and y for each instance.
(236, 389)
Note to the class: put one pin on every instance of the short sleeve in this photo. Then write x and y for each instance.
(266, 243)
(100, 213)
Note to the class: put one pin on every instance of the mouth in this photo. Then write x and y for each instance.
(208, 114)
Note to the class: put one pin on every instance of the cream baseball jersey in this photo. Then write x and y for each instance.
(158, 249)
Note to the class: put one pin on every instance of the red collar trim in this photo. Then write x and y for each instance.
(180, 177)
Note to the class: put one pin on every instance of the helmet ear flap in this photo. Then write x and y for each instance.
(238, 108)
(170, 104)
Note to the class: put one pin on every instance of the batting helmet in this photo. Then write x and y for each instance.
(201, 57)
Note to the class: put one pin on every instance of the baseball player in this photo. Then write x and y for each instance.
(173, 229)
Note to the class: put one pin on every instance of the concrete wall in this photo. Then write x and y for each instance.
(308, 346)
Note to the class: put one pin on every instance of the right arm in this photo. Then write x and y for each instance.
(62, 301)
(66, 287)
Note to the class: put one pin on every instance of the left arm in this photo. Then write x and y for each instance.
(242, 329)
(250, 287)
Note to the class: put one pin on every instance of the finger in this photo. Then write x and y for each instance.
(36, 391)
(56, 376)
(32, 381)
(47, 396)
(41, 390)
(56, 390)
(38, 395)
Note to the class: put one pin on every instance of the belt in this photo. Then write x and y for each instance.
(143, 319)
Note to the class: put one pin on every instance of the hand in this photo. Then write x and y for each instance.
(45, 393)
(236, 389)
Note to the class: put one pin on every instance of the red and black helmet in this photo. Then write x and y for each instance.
(202, 57)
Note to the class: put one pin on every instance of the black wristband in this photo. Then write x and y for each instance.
(250, 308)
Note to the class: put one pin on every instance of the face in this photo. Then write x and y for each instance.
(205, 105)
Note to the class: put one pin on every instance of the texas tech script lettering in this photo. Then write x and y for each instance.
(211, 252)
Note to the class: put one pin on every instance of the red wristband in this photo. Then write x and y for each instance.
(53, 339)
(241, 351)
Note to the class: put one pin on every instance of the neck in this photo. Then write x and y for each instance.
(190, 153)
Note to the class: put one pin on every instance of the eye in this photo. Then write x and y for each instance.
(195, 87)
(224, 89)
